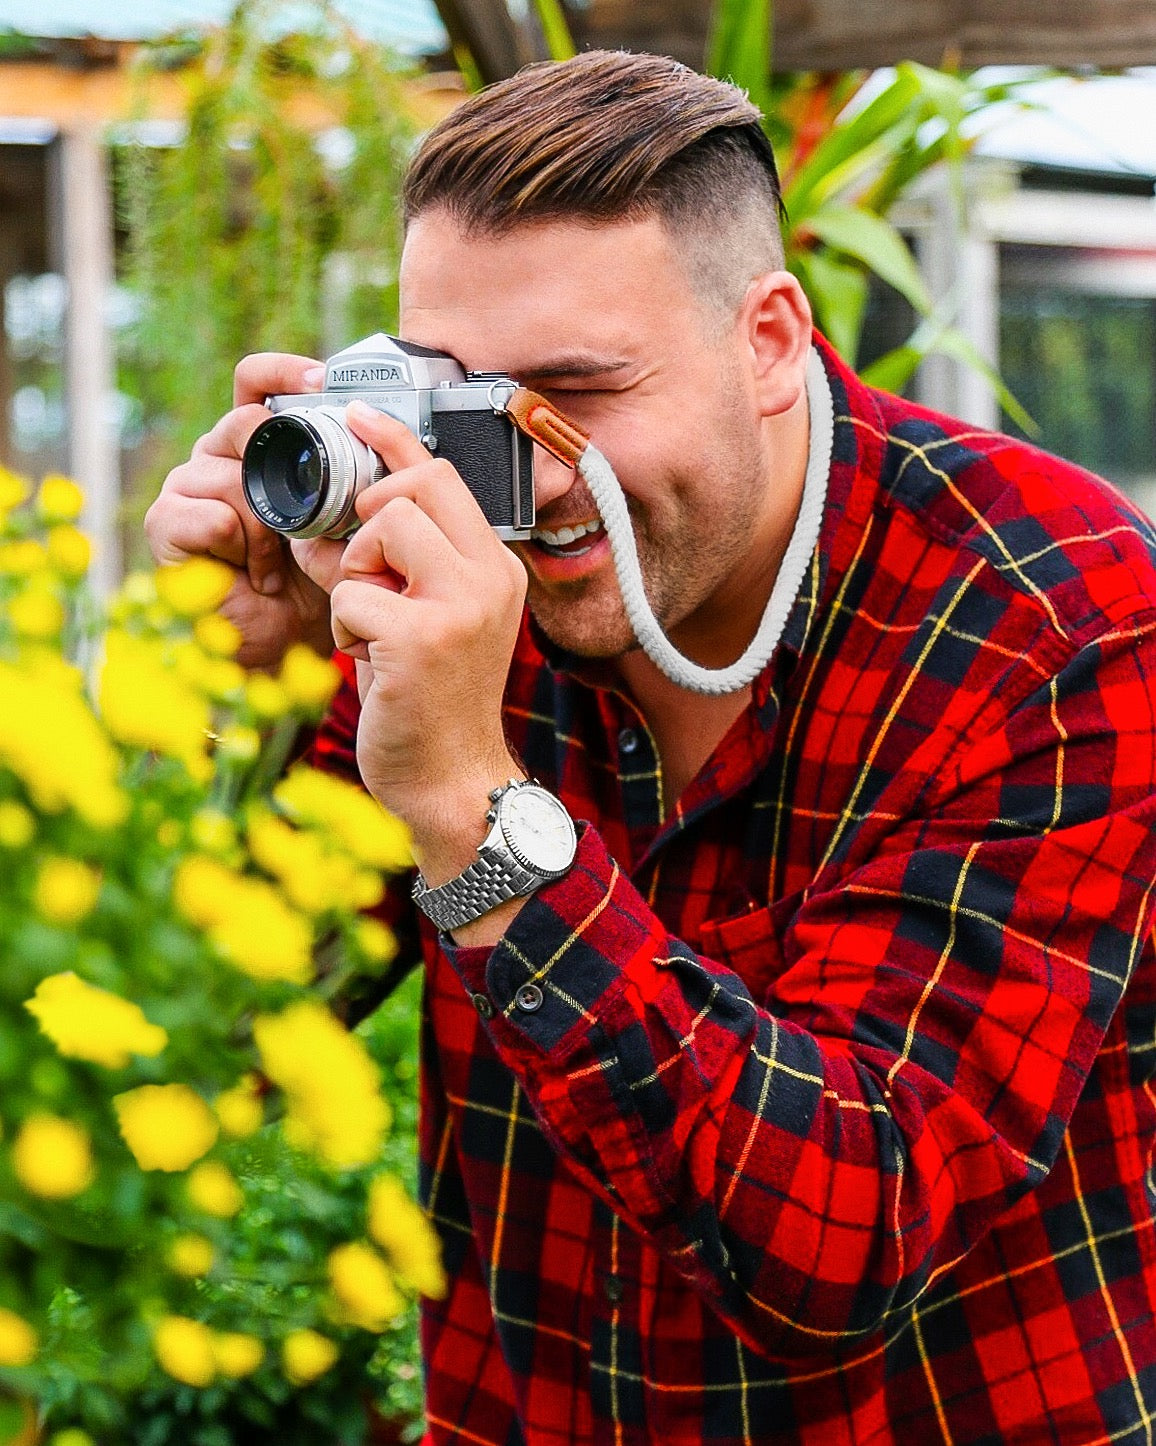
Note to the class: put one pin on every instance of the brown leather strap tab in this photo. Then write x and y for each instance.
(547, 426)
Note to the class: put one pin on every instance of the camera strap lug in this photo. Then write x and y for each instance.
(545, 424)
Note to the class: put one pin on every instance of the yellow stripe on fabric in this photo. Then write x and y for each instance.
(1105, 1293)
(615, 1413)
(511, 1116)
(893, 711)
(1013, 564)
(745, 1407)
(801, 711)
(583, 925)
(753, 1132)
(929, 1377)
(934, 978)
(1058, 805)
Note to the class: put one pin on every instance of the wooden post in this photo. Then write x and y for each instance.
(500, 35)
(83, 234)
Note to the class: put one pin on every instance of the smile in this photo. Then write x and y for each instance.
(561, 543)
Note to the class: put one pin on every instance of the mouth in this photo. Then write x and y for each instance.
(573, 541)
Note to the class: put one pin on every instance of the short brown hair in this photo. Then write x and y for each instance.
(612, 136)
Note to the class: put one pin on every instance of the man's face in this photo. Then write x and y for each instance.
(602, 321)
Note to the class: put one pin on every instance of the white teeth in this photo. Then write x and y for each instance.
(566, 535)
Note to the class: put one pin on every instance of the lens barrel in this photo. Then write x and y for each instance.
(302, 470)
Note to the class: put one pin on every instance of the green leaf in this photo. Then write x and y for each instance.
(556, 29)
(848, 140)
(877, 244)
(11, 1421)
(892, 371)
(838, 293)
(739, 46)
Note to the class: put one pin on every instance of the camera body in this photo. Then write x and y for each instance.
(303, 468)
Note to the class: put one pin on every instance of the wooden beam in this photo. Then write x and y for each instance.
(488, 30)
(104, 96)
(847, 34)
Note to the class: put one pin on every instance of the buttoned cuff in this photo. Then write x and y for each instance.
(565, 956)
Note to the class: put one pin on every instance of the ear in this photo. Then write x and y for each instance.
(775, 323)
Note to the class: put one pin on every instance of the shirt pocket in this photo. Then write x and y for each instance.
(750, 945)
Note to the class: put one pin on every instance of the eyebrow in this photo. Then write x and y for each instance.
(577, 365)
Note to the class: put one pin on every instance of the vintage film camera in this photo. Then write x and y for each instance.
(303, 468)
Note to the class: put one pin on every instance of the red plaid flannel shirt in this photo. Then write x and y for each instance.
(836, 1121)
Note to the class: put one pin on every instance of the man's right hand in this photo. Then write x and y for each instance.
(201, 511)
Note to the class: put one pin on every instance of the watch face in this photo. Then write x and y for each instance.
(538, 830)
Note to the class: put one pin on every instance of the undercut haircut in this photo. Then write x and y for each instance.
(611, 136)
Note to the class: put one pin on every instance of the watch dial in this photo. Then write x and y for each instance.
(538, 830)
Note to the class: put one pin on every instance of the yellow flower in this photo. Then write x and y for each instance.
(213, 831)
(18, 1341)
(237, 1354)
(239, 1109)
(266, 697)
(211, 1188)
(166, 1127)
(13, 489)
(22, 557)
(197, 586)
(69, 551)
(331, 1084)
(351, 815)
(376, 942)
(312, 879)
(246, 919)
(308, 679)
(306, 1355)
(363, 1286)
(185, 1350)
(66, 890)
(37, 612)
(191, 1255)
(59, 499)
(45, 718)
(147, 704)
(17, 825)
(403, 1232)
(71, 1436)
(239, 742)
(52, 1157)
(217, 635)
(85, 1022)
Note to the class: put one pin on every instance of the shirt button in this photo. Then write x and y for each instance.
(628, 741)
(613, 1289)
(528, 998)
(482, 1005)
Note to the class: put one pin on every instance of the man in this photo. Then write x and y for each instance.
(813, 1101)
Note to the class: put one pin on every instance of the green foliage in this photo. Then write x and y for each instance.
(240, 238)
(844, 161)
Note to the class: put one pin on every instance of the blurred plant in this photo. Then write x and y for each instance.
(848, 147)
(201, 1238)
(273, 224)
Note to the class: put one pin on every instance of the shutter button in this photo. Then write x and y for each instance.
(482, 1005)
(528, 998)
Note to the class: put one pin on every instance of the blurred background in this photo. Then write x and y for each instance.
(971, 202)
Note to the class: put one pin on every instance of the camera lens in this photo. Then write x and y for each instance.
(302, 470)
(289, 465)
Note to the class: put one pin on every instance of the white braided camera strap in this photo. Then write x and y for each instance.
(608, 497)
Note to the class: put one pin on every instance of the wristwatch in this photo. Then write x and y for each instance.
(531, 842)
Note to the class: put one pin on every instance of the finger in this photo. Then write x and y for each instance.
(320, 558)
(362, 613)
(403, 539)
(230, 435)
(248, 543)
(392, 440)
(270, 373)
(180, 527)
(437, 488)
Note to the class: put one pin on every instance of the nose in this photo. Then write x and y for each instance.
(552, 478)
